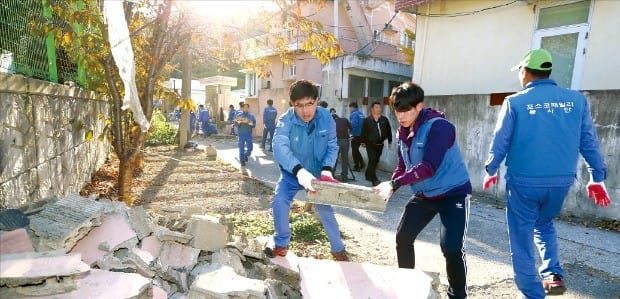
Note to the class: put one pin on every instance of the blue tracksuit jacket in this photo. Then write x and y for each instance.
(540, 131)
(357, 120)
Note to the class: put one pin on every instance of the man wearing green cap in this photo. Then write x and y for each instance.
(540, 131)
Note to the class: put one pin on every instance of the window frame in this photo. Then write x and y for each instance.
(582, 29)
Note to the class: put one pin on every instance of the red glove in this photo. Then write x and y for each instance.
(598, 192)
(489, 180)
(326, 176)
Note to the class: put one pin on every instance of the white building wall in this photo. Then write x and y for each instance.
(473, 54)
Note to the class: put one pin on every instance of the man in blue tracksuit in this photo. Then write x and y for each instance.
(231, 119)
(269, 124)
(204, 118)
(430, 161)
(357, 120)
(540, 131)
(305, 148)
(245, 123)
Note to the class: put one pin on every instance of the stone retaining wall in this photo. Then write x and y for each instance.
(43, 147)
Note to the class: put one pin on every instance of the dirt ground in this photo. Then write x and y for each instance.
(174, 180)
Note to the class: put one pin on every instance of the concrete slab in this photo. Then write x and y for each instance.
(61, 224)
(164, 234)
(290, 262)
(16, 241)
(159, 293)
(152, 245)
(346, 195)
(178, 256)
(36, 267)
(139, 221)
(227, 258)
(225, 283)
(209, 233)
(330, 279)
(114, 231)
(51, 286)
(143, 261)
(106, 284)
(111, 263)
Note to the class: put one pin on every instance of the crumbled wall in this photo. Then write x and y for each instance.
(43, 151)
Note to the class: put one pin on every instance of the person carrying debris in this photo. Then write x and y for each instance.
(540, 132)
(305, 148)
(430, 162)
(246, 122)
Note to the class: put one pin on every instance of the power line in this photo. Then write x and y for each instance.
(461, 14)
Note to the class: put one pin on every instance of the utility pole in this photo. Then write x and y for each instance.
(186, 90)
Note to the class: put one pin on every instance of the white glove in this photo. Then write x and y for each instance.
(326, 176)
(384, 190)
(305, 179)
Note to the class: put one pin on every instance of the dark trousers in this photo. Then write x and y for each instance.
(269, 130)
(374, 154)
(358, 161)
(343, 153)
(454, 215)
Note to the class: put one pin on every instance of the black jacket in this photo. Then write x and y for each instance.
(343, 126)
(375, 132)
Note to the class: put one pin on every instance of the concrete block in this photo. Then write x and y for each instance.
(139, 221)
(179, 278)
(346, 195)
(51, 286)
(330, 279)
(278, 290)
(16, 241)
(143, 261)
(209, 233)
(106, 284)
(32, 268)
(226, 257)
(178, 256)
(112, 263)
(61, 224)
(286, 270)
(225, 283)
(114, 231)
(164, 234)
(256, 246)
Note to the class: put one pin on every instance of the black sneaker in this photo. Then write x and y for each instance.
(554, 285)
(246, 159)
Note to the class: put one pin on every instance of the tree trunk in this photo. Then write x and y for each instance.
(125, 177)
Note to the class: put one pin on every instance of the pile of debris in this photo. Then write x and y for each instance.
(83, 248)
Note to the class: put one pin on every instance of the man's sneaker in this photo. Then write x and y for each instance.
(554, 285)
(277, 251)
(340, 256)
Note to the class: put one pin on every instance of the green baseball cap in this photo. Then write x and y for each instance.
(538, 59)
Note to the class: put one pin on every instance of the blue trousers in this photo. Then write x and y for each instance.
(529, 213)
(268, 130)
(286, 189)
(203, 126)
(245, 141)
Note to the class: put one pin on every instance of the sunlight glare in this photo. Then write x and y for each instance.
(229, 11)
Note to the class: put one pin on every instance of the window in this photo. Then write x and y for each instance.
(375, 87)
(378, 35)
(406, 41)
(292, 71)
(320, 90)
(563, 31)
(357, 86)
(251, 77)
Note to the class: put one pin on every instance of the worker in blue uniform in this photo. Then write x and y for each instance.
(305, 147)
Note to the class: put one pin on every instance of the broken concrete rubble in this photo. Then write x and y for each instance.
(12, 219)
(207, 257)
(113, 233)
(164, 234)
(209, 233)
(61, 224)
(225, 283)
(16, 241)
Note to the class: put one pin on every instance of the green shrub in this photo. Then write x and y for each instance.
(162, 132)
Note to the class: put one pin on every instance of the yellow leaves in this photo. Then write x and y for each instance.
(186, 104)
(88, 136)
